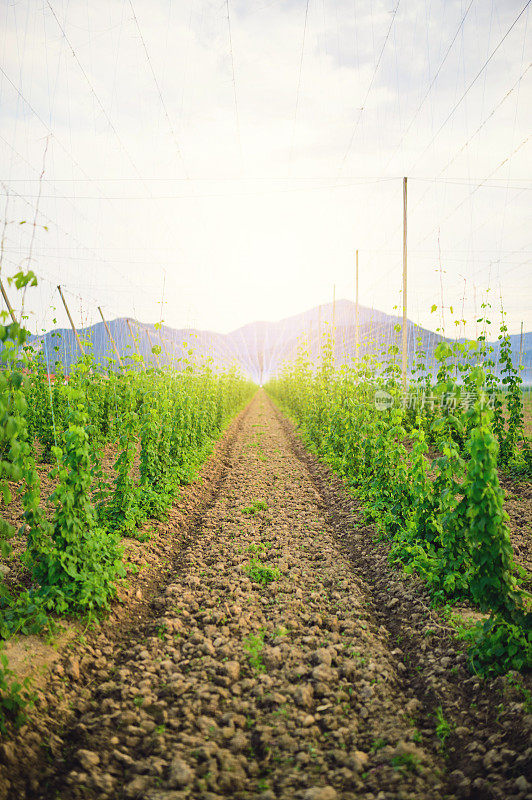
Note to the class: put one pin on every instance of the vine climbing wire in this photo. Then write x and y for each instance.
(34, 225)
(235, 97)
(94, 255)
(158, 88)
(49, 181)
(63, 147)
(93, 91)
(45, 125)
(298, 92)
(419, 204)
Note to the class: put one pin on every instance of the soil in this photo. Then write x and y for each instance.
(518, 504)
(269, 650)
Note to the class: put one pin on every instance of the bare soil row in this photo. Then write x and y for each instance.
(273, 654)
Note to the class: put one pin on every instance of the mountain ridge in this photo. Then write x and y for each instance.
(257, 348)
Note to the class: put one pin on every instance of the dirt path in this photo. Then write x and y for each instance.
(227, 686)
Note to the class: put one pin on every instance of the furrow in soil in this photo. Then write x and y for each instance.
(260, 669)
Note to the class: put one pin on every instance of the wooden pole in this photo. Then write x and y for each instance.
(405, 321)
(71, 320)
(319, 336)
(151, 345)
(357, 338)
(8, 304)
(521, 349)
(111, 337)
(334, 323)
(136, 344)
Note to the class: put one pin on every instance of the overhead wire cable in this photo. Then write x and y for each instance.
(368, 91)
(471, 84)
(479, 185)
(92, 90)
(158, 88)
(466, 144)
(433, 81)
(100, 104)
(44, 179)
(298, 92)
(41, 120)
(231, 55)
(359, 179)
(439, 177)
(484, 121)
(55, 138)
(503, 217)
(89, 250)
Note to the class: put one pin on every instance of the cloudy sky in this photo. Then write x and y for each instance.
(219, 162)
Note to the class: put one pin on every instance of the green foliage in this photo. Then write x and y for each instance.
(261, 573)
(444, 516)
(75, 557)
(15, 697)
(255, 508)
(13, 408)
(74, 561)
(491, 582)
(378, 744)
(513, 434)
(253, 645)
(406, 762)
(443, 727)
(499, 645)
(122, 513)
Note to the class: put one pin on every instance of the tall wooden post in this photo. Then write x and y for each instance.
(357, 337)
(71, 320)
(334, 324)
(136, 344)
(110, 335)
(521, 349)
(319, 336)
(6, 300)
(405, 321)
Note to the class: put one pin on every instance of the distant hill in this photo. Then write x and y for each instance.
(260, 348)
(61, 345)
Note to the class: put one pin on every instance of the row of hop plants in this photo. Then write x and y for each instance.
(424, 464)
(503, 385)
(165, 419)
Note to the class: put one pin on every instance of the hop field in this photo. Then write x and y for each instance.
(87, 459)
(424, 460)
(262, 599)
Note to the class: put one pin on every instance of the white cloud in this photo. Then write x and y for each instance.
(265, 231)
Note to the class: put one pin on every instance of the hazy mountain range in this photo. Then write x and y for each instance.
(258, 349)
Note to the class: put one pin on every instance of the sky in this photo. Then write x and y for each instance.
(214, 163)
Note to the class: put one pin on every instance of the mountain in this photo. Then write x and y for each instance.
(133, 338)
(258, 349)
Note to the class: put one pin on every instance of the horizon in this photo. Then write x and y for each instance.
(493, 328)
